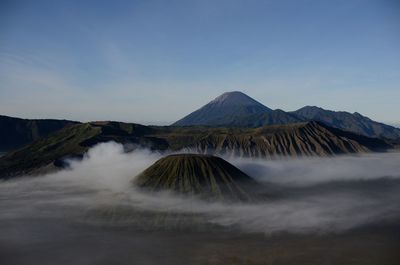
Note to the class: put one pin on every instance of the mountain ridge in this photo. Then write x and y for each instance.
(354, 122)
(233, 117)
(17, 132)
(296, 140)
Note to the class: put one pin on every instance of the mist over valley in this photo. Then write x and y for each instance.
(319, 197)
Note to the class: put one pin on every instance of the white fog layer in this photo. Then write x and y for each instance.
(313, 195)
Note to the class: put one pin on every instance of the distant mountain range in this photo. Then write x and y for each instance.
(231, 109)
(297, 140)
(233, 124)
(236, 109)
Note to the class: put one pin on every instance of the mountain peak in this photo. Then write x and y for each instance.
(309, 107)
(232, 95)
(236, 98)
(223, 110)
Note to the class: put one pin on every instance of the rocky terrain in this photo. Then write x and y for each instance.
(302, 139)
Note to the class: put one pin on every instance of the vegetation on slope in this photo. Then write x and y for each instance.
(196, 174)
(66, 142)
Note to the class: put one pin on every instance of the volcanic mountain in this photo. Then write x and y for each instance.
(224, 110)
(235, 109)
(206, 175)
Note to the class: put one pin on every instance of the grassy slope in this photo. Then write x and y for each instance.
(66, 142)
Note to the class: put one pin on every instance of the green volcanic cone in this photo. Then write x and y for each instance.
(197, 174)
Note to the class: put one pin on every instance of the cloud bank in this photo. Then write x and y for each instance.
(313, 195)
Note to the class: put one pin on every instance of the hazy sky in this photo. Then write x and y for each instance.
(156, 61)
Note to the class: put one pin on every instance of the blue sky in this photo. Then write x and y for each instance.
(156, 61)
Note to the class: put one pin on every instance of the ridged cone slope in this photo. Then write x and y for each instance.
(197, 174)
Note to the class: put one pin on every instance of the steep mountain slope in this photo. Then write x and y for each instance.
(16, 132)
(353, 122)
(223, 110)
(273, 117)
(206, 175)
(301, 139)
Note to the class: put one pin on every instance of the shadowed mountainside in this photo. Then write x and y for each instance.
(16, 132)
(205, 175)
(273, 117)
(300, 139)
(353, 122)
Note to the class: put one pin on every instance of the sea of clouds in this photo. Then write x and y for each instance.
(313, 195)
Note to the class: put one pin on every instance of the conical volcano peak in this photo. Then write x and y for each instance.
(224, 110)
(236, 98)
(197, 174)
